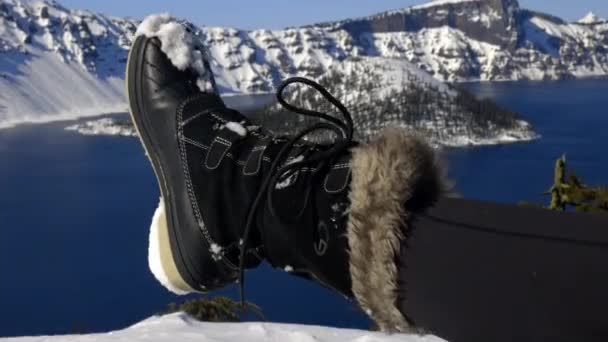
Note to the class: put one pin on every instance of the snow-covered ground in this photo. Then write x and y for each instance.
(182, 328)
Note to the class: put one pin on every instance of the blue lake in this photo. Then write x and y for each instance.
(75, 214)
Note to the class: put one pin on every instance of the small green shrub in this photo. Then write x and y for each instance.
(218, 309)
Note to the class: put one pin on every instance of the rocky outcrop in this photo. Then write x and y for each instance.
(491, 21)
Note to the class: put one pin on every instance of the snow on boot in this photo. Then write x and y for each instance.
(187, 132)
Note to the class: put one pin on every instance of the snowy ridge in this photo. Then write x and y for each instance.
(590, 19)
(180, 327)
(180, 45)
(439, 3)
(453, 40)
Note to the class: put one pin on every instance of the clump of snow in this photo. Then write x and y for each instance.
(285, 183)
(183, 328)
(104, 126)
(297, 159)
(237, 128)
(288, 268)
(152, 24)
(216, 251)
(180, 45)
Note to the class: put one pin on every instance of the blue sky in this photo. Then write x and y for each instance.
(274, 14)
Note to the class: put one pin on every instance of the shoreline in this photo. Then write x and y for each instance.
(109, 126)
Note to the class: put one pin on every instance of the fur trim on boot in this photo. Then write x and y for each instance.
(393, 178)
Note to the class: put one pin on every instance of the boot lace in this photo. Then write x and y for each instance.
(281, 169)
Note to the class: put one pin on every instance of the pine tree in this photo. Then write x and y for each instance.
(570, 190)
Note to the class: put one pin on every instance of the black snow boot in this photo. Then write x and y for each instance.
(232, 194)
(197, 148)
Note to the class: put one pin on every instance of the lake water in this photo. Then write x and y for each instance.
(75, 213)
(571, 116)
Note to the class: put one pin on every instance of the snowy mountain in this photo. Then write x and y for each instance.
(455, 40)
(180, 327)
(59, 63)
(483, 40)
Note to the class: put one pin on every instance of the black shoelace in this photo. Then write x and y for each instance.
(281, 169)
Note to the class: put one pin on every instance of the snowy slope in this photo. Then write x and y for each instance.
(179, 327)
(382, 91)
(59, 64)
(47, 88)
